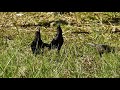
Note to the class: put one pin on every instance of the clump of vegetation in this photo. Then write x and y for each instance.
(76, 58)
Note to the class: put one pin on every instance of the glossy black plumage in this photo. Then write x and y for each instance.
(37, 44)
(57, 42)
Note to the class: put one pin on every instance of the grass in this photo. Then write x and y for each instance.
(76, 59)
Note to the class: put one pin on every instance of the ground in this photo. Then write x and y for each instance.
(76, 59)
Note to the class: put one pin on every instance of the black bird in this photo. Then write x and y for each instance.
(37, 44)
(102, 48)
(57, 42)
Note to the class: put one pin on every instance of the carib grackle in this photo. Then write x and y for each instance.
(102, 48)
(57, 42)
(37, 44)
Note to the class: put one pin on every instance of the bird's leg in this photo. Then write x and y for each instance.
(100, 54)
(58, 51)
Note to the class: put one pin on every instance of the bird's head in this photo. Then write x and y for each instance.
(38, 28)
(37, 34)
(59, 30)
